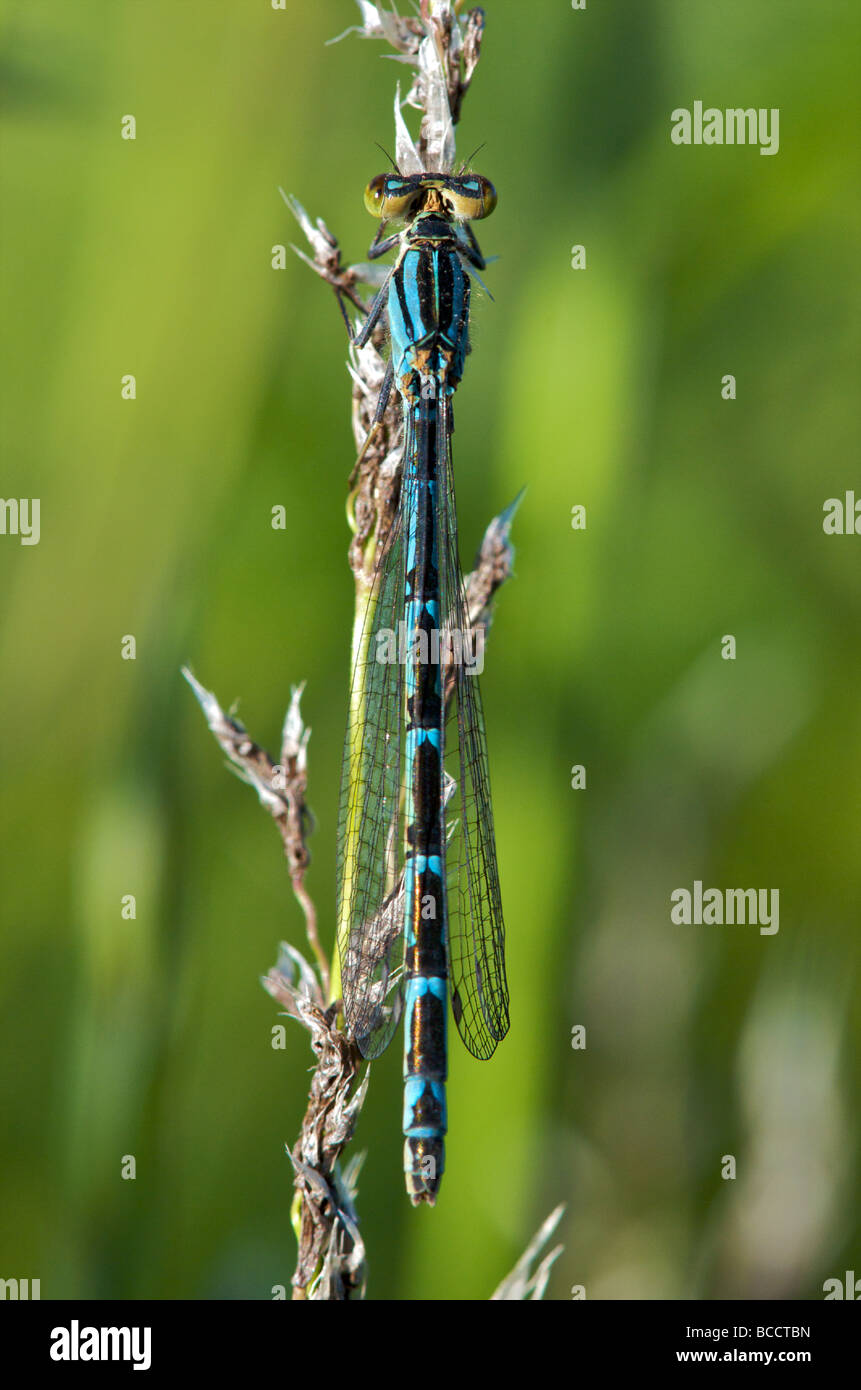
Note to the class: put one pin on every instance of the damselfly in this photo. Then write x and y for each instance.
(419, 910)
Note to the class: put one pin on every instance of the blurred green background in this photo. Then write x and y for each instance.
(600, 387)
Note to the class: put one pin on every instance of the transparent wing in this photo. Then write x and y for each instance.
(476, 934)
(370, 835)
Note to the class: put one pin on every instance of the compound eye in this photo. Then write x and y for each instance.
(375, 196)
(399, 195)
(488, 197)
(471, 198)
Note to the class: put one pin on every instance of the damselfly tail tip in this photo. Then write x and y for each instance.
(424, 1161)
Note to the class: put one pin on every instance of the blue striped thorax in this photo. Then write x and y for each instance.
(428, 298)
(428, 307)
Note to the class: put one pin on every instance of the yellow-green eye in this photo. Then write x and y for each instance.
(488, 196)
(375, 196)
(471, 197)
(390, 195)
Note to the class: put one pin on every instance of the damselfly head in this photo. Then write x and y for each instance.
(464, 197)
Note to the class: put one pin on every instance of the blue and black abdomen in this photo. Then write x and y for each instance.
(428, 318)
